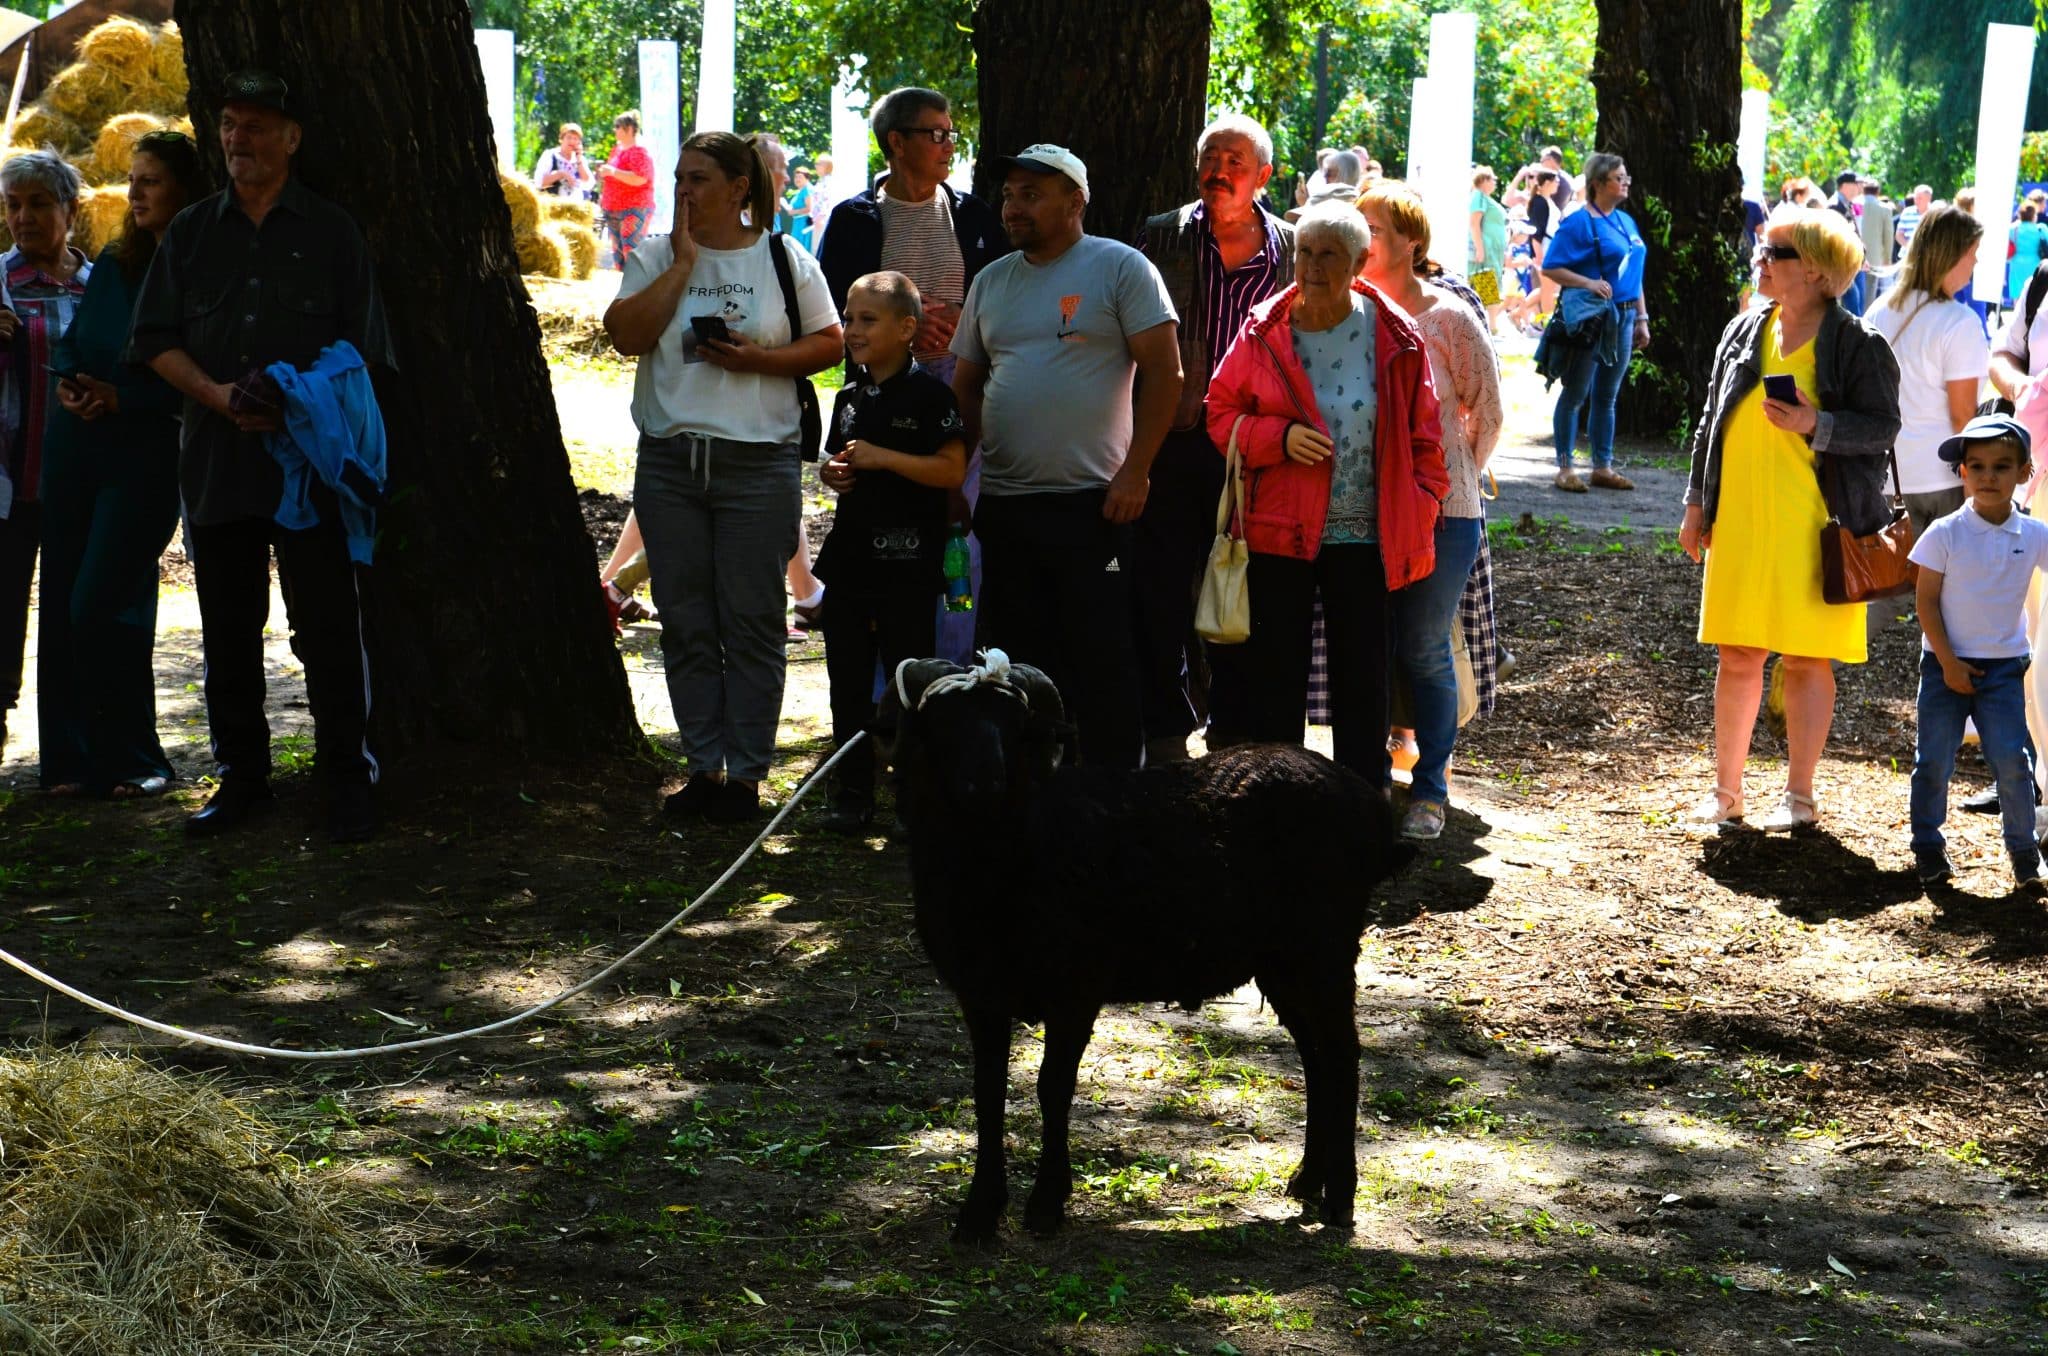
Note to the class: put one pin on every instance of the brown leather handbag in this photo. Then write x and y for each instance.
(1857, 569)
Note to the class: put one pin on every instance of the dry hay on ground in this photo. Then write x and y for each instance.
(576, 211)
(38, 126)
(114, 149)
(544, 253)
(168, 59)
(86, 94)
(122, 46)
(100, 216)
(144, 1213)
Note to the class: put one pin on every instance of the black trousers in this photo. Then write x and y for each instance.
(21, 532)
(1358, 626)
(231, 565)
(1171, 542)
(861, 629)
(1055, 594)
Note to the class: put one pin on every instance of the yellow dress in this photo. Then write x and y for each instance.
(1763, 563)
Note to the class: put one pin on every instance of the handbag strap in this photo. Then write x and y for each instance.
(1229, 505)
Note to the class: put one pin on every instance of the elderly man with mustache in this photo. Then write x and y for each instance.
(1220, 256)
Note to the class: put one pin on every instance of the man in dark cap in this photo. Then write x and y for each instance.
(263, 272)
(1848, 200)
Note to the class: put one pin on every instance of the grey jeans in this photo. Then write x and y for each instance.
(1923, 509)
(720, 520)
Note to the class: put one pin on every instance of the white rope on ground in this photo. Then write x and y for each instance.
(432, 1042)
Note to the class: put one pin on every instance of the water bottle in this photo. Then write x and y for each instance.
(959, 588)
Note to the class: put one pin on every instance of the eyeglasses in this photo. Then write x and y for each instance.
(1778, 252)
(941, 136)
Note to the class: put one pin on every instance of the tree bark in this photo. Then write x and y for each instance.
(1668, 79)
(483, 614)
(1122, 86)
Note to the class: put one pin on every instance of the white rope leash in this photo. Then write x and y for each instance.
(993, 671)
(431, 1042)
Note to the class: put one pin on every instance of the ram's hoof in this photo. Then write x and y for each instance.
(1044, 1223)
(1338, 1216)
(974, 1233)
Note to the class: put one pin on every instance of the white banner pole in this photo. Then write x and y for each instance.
(661, 122)
(715, 56)
(1751, 140)
(1447, 191)
(494, 54)
(2001, 120)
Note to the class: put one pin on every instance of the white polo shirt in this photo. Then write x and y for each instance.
(1985, 569)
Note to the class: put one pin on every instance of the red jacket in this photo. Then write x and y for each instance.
(1262, 379)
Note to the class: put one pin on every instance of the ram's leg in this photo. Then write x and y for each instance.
(1334, 1093)
(1294, 1011)
(989, 1030)
(1066, 1038)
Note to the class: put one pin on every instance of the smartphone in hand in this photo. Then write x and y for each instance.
(711, 328)
(1782, 388)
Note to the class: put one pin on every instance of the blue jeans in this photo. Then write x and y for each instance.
(1590, 379)
(1853, 299)
(1424, 614)
(1999, 707)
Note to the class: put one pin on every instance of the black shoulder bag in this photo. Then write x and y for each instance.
(810, 426)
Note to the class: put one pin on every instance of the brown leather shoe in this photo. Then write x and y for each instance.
(1607, 478)
(1568, 480)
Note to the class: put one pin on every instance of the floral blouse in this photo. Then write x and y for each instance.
(1467, 380)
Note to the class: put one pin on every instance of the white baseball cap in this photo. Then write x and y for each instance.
(1046, 158)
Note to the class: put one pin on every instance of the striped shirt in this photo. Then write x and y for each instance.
(918, 242)
(1226, 297)
(45, 306)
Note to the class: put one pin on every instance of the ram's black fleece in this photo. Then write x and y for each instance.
(1045, 892)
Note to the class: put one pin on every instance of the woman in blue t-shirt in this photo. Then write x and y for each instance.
(1601, 250)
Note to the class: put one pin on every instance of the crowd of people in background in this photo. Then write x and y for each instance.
(1046, 420)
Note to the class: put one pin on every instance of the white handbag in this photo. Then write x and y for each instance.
(1223, 609)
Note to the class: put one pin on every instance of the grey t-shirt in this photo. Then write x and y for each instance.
(1056, 413)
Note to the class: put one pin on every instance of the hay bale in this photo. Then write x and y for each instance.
(39, 126)
(168, 60)
(101, 216)
(582, 245)
(86, 94)
(572, 211)
(114, 149)
(122, 46)
(149, 1212)
(523, 201)
(542, 253)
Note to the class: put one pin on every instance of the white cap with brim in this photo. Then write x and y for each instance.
(1046, 158)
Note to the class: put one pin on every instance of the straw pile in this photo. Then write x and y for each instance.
(570, 211)
(523, 202)
(581, 243)
(543, 253)
(114, 148)
(99, 219)
(143, 1214)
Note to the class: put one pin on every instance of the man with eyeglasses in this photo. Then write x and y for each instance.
(1219, 256)
(264, 272)
(914, 223)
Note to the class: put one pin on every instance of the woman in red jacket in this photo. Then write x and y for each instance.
(1328, 391)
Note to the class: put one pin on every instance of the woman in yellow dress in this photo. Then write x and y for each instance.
(1767, 474)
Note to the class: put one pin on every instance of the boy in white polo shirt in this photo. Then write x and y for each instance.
(1975, 567)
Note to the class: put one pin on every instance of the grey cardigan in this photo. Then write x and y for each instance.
(1858, 380)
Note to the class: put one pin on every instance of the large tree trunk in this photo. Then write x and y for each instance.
(1121, 85)
(483, 614)
(1668, 75)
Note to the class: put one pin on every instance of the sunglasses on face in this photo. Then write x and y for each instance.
(941, 136)
(1778, 252)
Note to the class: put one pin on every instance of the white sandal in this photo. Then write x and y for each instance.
(1793, 812)
(1721, 806)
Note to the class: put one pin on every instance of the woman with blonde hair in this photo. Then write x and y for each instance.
(1767, 474)
(1941, 353)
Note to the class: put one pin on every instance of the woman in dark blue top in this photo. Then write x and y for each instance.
(1600, 249)
(110, 501)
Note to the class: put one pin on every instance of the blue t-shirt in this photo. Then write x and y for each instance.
(1339, 363)
(1601, 246)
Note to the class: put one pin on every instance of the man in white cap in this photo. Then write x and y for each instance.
(1049, 345)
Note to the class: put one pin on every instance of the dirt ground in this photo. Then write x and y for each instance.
(1625, 1089)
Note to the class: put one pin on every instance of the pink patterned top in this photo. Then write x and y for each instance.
(1468, 383)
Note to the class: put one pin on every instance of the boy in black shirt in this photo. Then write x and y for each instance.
(897, 446)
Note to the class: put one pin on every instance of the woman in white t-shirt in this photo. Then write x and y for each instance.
(715, 489)
(1943, 358)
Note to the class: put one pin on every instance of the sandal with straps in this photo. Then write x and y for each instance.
(1718, 807)
(1794, 811)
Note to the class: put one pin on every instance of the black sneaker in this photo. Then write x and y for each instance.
(2027, 874)
(1985, 802)
(351, 812)
(695, 800)
(1932, 867)
(735, 803)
